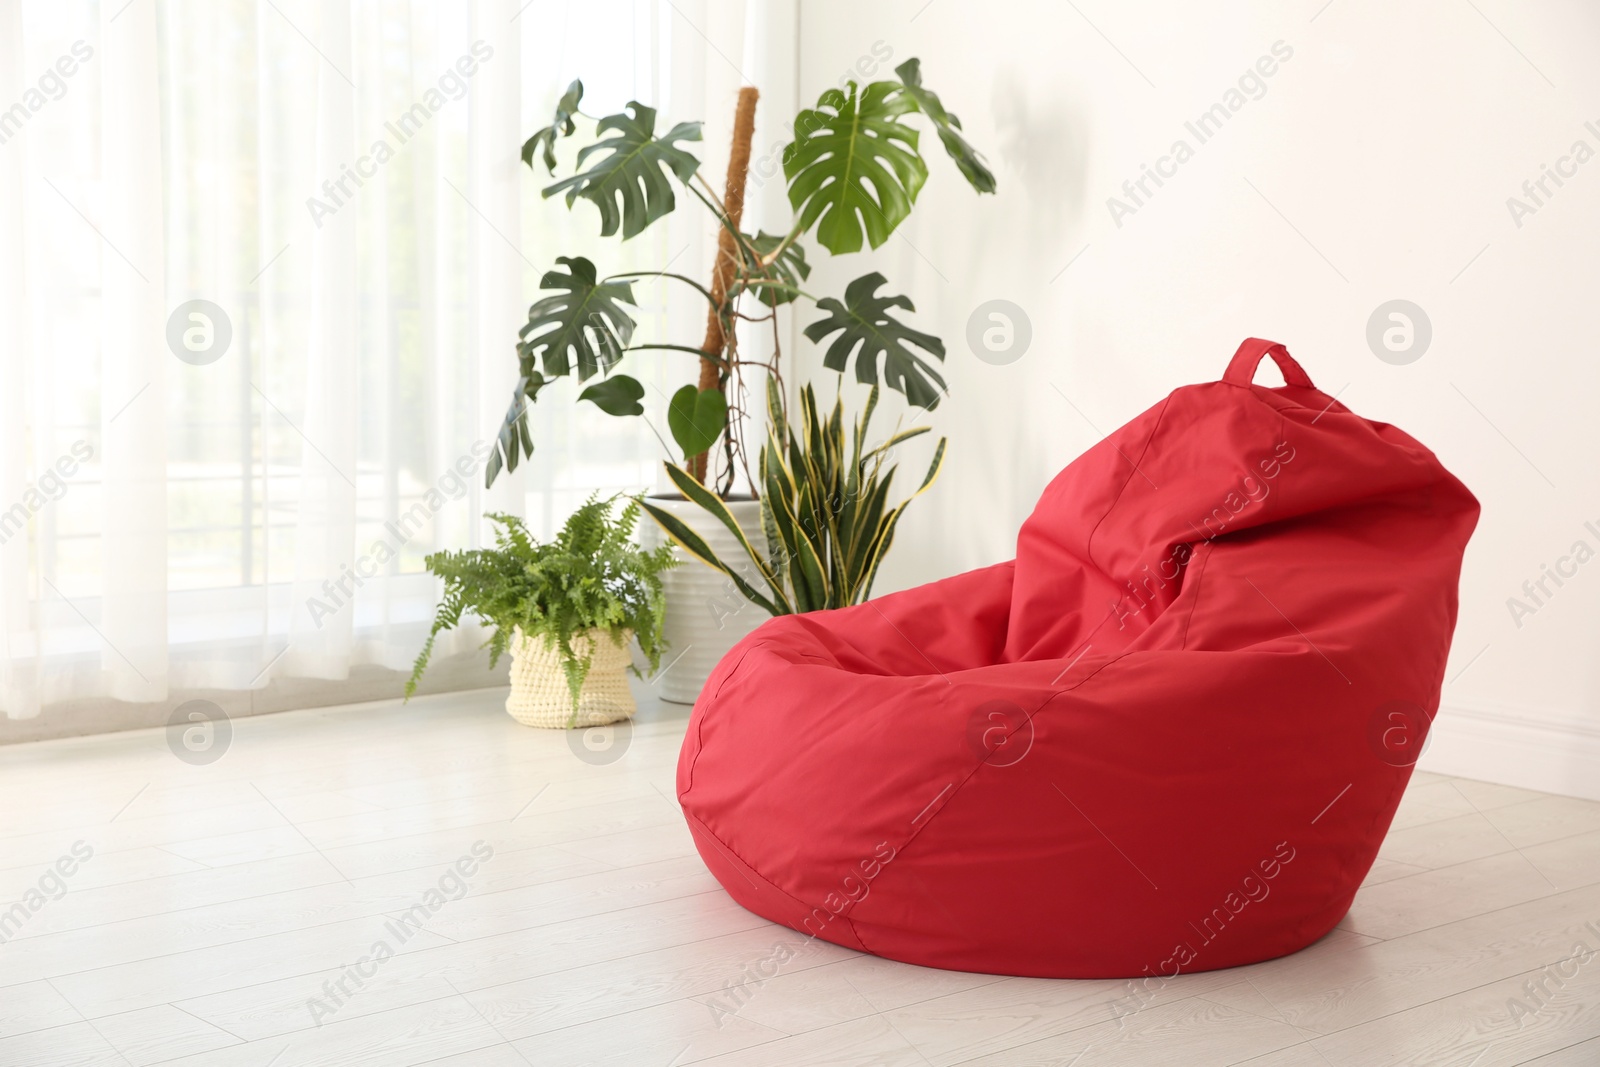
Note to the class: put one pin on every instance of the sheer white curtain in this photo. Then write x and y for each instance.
(262, 267)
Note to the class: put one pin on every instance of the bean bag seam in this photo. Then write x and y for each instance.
(1271, 395)
(1280, 404)
(1199, 583)
(1283, 435)
(1074, 687)
(855, 931)
(1088, 545)
(770, 884)
(699, 726)
(796, 901)
(1200, 577)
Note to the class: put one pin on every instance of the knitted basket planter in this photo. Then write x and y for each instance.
(539, 693)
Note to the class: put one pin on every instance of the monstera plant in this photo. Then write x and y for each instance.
(853, 172)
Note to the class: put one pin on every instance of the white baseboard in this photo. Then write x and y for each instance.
(463, 670)
(1550, 753)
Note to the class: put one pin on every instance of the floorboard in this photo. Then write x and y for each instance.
(249, 912)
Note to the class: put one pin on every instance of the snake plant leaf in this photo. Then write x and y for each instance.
(779, 521)
(514, 440)
(696, 418)
(903, 435)
(617, 395)
(859, 434)
(696, 546)
(869, 529)
(825, 512)
(889, 521)
(560, 126)
(854, 165)
(777, 419)
(778, 282)
(968, 161)
(811, 587)
(693, 490)
(866, 329)
(783, 517)
(583, 322)
(629, 181)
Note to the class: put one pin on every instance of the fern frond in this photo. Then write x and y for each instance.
(590, 576)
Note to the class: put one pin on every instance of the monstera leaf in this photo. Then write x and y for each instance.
(854, 165)
(629, 182)
(617, 395)
(583, 322)
(776, 282)
(561, 126)
(514, 441)
(866, 328)
(966, 157)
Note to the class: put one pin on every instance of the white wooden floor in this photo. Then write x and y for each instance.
(224, 905)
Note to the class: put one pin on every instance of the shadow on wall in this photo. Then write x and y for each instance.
(1043, 143)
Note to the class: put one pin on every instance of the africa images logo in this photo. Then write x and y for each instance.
(49, 886)
(451, 85)
(1252, 490)
(1251, 85)
(397, 930)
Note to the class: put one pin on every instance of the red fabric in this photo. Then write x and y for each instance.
(1169, 736)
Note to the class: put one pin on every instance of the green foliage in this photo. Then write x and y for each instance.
(617, 395)
(854, 165)
(853, 174)
(590, 577)
(696, 418)
(968, 161)
(514, 440)
(582, 323)
(632, 172)
(866, 328)
(775, 283)
(562, 126)
(824, 509)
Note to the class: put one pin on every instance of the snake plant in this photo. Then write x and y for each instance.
(825, 509)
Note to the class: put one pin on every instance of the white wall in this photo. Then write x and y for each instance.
(1390, 140)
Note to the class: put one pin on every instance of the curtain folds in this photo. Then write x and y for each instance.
(133, 427)
(262, 267)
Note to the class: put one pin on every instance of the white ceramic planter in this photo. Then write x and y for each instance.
(706, 616)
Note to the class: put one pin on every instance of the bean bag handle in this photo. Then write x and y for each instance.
(1242, 369)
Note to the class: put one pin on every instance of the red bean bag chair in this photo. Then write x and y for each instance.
(1168, 737)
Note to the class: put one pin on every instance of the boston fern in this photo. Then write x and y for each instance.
(590, 577)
